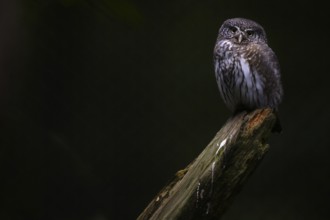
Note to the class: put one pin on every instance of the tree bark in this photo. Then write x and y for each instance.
(206, 187)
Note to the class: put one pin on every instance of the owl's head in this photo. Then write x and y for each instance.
(241, 31)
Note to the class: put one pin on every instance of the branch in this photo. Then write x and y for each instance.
(206, 187)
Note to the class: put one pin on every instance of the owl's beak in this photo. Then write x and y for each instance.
(239, 37)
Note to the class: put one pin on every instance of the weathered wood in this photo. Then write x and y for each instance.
(206, 187)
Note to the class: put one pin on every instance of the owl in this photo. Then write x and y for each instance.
(246, 68)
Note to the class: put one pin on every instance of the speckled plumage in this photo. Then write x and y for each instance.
(247, 70)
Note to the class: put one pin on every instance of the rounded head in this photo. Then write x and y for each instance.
(242, 30)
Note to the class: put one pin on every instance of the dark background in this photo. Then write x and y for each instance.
(102, 101)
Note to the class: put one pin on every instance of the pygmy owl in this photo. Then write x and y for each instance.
(246, 68)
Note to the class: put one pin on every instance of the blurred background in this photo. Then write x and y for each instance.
(102, 101)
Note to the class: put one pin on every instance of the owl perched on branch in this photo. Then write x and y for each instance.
(246, 68)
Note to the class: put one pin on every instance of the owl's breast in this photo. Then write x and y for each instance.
(223, 50)
(241, 84)
(224, 57)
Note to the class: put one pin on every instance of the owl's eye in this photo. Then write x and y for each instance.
(233, 29)
(249, 33)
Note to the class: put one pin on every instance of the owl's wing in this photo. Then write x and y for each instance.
(266, 64)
